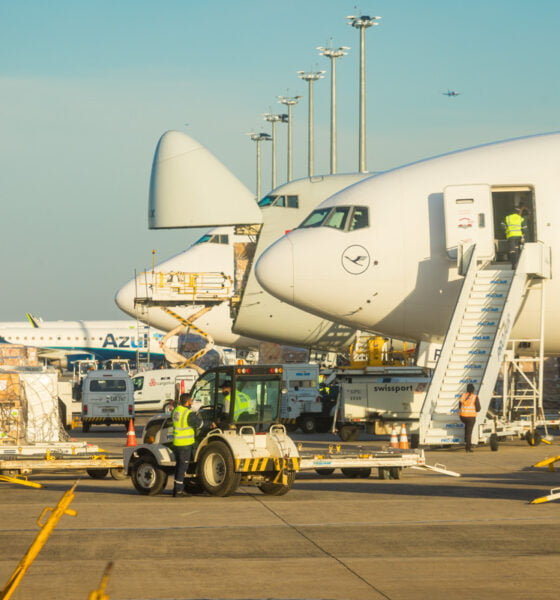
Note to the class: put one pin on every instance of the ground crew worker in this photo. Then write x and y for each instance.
(185, 421)
(469, 405)
(514, 226)
(242, 401)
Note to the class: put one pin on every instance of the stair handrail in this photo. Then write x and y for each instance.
(469, 259)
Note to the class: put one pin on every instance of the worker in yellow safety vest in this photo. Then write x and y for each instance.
(185, 421)
(515, 227)
(242, 401)
(469, 405)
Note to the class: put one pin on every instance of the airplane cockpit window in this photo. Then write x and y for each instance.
(203, 239)
(360, 218)
(267, 201)
(316, 218)
(337, 217)
(290, 201)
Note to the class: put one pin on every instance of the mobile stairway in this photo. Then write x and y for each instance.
(476, 343)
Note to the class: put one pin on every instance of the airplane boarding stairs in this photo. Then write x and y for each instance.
(475, 344)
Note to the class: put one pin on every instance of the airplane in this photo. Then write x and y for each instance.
(382, 255)
(66, 341)
(451, 93)
(190, 188)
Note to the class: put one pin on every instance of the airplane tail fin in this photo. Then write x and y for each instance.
(33, 320)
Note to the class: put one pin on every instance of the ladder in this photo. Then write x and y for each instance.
(476, 343)
(143, 348)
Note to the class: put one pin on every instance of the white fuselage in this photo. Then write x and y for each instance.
(103, 339)
(396, 276)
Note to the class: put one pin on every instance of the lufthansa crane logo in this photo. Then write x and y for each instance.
(355, 259)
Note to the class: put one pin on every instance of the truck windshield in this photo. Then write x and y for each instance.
(108, 385)
(257, 401)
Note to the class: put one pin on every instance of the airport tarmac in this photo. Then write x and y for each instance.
(423, 536)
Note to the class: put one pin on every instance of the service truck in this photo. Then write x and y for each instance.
(159, 389)
(107, 398)
(304, 406)
(375, 399)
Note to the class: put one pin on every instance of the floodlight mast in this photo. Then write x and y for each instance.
(258, 138)
(289, 102)
(362, 23)
(273, 119)
(311, 77)
(333, 54)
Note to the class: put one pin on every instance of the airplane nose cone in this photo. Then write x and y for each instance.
(275, 270)
(124, 298)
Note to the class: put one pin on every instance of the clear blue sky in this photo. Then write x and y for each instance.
(87, 88)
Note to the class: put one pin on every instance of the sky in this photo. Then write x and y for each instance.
(87, 87)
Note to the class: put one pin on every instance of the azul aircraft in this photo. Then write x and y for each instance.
(64, 340)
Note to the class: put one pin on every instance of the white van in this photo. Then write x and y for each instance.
(107, 398)
(157, 390)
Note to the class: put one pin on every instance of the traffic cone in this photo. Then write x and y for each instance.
(403, 439)
(394, 438)
(131, 434)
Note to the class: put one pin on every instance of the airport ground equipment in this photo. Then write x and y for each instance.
(248, 446)
(47, 527)
(59, 457)
(476, 345)
(107, 398)
(303, 405)
(376, 398)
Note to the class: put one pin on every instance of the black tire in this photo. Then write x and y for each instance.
(395, 472)
(348, 433)
(97, 473)
(291, 427)
(147, 477)
(384, 473)
(537, 437)
(323, 425)
(216, 470)
(324, 472)
(307, 424)
(117, 473)
(193, 486)
(533, 438)
(356, 472)
(85, 427)
(278, 489)
(494, 445)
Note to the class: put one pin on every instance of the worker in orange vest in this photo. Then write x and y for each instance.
(469, 405)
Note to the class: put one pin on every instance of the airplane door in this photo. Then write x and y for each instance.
(469, 219)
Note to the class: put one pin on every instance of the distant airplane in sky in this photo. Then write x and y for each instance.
(451, 93)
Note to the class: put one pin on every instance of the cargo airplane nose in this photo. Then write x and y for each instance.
(275, 270)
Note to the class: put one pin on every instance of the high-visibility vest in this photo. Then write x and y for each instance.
(183, 435)
(467, 405)
(514, 226)
(242, 403)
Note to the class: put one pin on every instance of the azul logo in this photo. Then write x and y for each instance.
(122, 341)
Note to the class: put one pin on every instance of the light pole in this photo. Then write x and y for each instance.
(311, 77)
(259, 137)
(333, 54)
(289, 102)
(273, 119)
(362, 23)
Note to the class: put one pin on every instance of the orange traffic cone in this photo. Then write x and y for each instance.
(394, 438)
(131, 434)
(403, 439)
